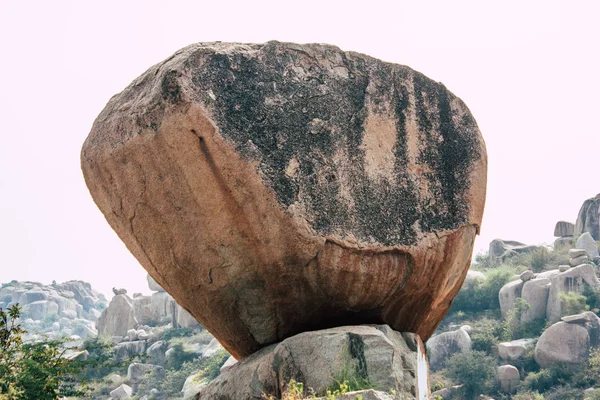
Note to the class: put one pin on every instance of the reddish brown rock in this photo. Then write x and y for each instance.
(278, 188)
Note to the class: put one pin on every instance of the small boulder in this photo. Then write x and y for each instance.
(128, 349)
(156, 351)
(137, 372)
(563, 243)
(122, 392)
(118, 291)
(568, 342)
(527, 275)
(587, 242)
(509, 378)
(132, 335)
(574, 253)
(472, 278)
(563, 268)
(578, 261)
(564, 228)
(515, 349)
(440, 347)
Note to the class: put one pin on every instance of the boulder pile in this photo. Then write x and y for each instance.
(60, 309)
(564, 232)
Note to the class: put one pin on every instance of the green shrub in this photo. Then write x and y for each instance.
(512, 321)
(528, 396)
(565, 392)
(573, 303)
(486, 335)
(592, 296)
(475, 370)
(176, 332)
(544, 379)
(179, 356)
(205, 368)
(483, 295)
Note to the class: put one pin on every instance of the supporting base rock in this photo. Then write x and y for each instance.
(373, 356)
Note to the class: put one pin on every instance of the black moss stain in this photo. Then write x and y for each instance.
(356, 348)
(171, 90)
(268, 109)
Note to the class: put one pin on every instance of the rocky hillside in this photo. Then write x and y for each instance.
(68, 309)
(530, 311)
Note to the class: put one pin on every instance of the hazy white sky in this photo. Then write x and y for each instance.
(528, 70)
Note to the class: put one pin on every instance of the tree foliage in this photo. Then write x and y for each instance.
(474, 370)
(34, 370)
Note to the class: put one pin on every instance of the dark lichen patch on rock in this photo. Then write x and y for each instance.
(281, 105)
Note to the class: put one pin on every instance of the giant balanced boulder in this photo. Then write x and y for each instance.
(278, 188)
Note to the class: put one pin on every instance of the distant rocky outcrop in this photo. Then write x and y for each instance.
(68, 309)
(543, 292)
(588, 219)
(277, 188)
(501, 250)
(375, 354)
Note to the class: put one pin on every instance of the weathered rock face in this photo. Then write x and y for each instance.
(508, 295)
(535, 293)
(588, 219)
(572, 280)
(386, 358)
(277, 188)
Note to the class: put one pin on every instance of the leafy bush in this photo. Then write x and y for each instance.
(528, 396)
(176, 332)
(486, 335)
(546, 378)
(512, 322)
(573, 303)
(205, 369)
(565, 392)
(34, 370)
(483, 295)
(475, 370)
(592, 296)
